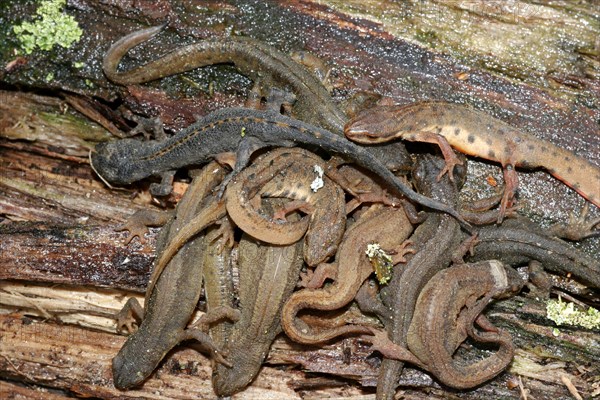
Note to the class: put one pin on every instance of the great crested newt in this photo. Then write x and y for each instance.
(171, 301)
(445, 313)
(478, 134)
(264, 64)
(244, 131)
(299, 175)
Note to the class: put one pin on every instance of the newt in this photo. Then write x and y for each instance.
(217, 275)
(265, 65)
(478, 134)
(268, 274)
(170, 302)
(518, 241)
(445, 313)
(387, 226)
(434, 242)
(290, 173)
(244, 131)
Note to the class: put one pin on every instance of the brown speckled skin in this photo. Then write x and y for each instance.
(170, 302)
(518, 241)
(289, 173)
(444, 315)
(244, 131)
(262, 63)
(435, 240)
(478, 134)
(242, 190)
(387, 226)
(268, 275)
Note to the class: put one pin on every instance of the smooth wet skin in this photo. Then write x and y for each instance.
(478, 134)
(243, 131)
(171, 301)
(265, 65)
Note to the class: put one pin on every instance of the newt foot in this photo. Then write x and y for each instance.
(405, 248)
(136, 229)
(130, 315)
(578, 227)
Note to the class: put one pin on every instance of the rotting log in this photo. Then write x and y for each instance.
(57, 244)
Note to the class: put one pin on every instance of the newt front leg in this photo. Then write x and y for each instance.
(478, 134)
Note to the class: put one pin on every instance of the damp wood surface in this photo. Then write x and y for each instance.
(65, 272)
(64, 269)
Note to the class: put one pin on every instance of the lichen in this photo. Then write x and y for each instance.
(566, 314)
(318, 182)
(381, 261)
(50, 27)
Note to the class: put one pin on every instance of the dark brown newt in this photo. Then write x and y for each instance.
(434, 242)
(170, 303)
(217, 274)
(478, 134)
(264, 64)
(445, 313)
(268, 274)
(518, 241)
(299, 175)
(244, 131)
(387, 226)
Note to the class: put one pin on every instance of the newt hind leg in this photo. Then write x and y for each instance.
(579, 226)
(138, 223)
(198, 331)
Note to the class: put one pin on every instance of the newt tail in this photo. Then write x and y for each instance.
(477, 134)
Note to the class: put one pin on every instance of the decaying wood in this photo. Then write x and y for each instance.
(93, 255)
(65, 271)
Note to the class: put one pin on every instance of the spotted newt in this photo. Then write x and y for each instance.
(267, 276)
(170, 302)
(389, 227)
(434, 241)
(290, 173)
(478, 134)
(518, 241)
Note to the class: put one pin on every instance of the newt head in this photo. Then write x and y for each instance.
(119, 162)
(227, 381)
(375, 125)
(132, 365)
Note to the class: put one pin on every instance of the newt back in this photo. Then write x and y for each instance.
(262, 63)
(477, 134)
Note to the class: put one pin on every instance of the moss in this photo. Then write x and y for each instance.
(51, 27)
(566, 314)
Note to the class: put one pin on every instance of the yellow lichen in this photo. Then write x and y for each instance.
(51, 27)
(566, 314)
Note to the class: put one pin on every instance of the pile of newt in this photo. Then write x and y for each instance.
(313, 210)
